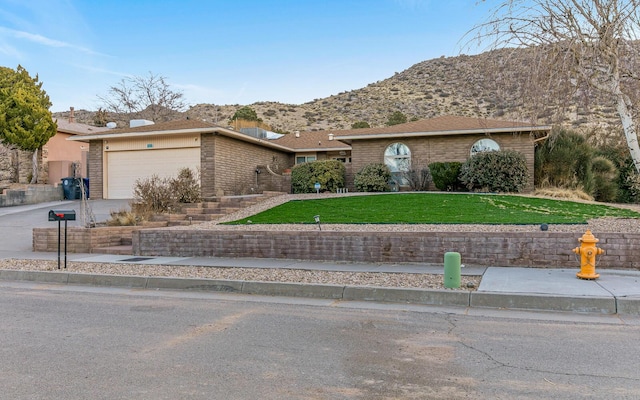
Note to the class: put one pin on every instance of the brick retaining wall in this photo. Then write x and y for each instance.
(535, 249)
(81, 240)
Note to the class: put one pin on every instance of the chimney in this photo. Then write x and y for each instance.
(72, 117)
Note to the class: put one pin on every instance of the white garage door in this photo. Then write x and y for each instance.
(125, 167)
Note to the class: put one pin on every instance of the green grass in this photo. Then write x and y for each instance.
(435, 208)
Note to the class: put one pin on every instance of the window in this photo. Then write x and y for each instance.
(304, 159)
(397, 157)
(483, 145)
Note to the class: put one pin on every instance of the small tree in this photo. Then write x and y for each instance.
(25, 119)
(148, 97)
(396, 118)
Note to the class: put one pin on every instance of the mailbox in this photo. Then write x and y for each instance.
(62, 215)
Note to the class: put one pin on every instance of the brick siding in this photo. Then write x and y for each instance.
(95, 169)
(236, 162)
(441, 149)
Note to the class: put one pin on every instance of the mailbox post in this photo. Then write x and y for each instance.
(62, 215)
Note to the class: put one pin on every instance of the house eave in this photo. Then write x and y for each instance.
(324, 149)
(214, 130)
(444, 133)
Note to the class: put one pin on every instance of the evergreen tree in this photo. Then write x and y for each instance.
(25, 120)
(246, 113)
(396, 118)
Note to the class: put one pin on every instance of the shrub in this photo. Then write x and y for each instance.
(495, 171)
(605, 175)
(330, 174)
(627, 181)
(124, 218)
(372, 178)
(159, 195)
(446, 175)
(154, 194)
(185, 187)
(418, 179)
(564, 161)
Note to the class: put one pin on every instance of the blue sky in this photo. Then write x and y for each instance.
(228, 51)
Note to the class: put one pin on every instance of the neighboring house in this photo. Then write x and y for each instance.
(62, 158)
(232, 162)
(59, 157)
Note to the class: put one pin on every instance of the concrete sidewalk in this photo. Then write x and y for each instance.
(512, 288)
(615, 292)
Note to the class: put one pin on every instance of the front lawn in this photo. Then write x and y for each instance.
(435, 208)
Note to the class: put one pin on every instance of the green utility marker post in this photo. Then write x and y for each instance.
(451, 270)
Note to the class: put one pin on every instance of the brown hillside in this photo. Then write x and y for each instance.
(495, 84)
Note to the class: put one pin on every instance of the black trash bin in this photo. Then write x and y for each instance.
(71, 188)
(85, 182)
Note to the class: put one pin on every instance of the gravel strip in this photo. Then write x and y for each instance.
(378, 279)
(400, 280)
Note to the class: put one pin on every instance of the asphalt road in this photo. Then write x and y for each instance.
(65, 342)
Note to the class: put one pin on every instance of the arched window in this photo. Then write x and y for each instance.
(483, 145)
(397, 157)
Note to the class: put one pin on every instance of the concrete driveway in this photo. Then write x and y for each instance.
(17, 223)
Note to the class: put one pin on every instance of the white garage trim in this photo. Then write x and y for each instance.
(123, 168)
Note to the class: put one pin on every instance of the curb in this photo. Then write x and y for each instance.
(434, 297)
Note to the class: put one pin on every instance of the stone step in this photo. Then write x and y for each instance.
(125, 250)
(193, 210)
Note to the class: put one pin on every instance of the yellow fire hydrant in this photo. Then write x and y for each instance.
(588, 252)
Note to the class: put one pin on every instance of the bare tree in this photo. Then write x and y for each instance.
(148, 97)
(593, 42)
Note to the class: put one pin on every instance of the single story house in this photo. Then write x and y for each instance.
(232, 162)
(441, 139)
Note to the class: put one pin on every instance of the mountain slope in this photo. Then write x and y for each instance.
(496, 84)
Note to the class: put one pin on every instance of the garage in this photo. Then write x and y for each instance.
(125, 167)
